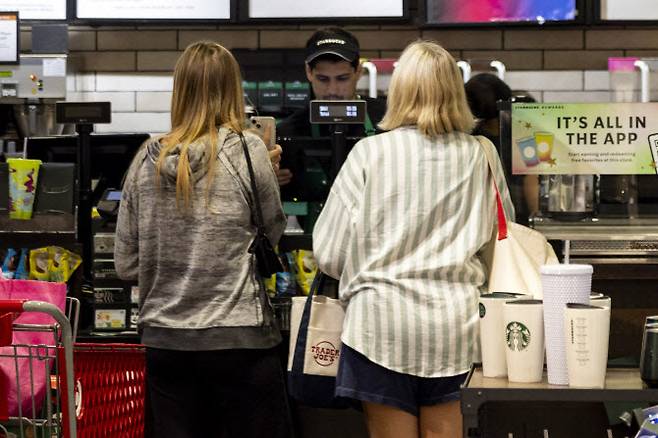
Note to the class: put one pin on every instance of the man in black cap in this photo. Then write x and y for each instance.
(333, 68)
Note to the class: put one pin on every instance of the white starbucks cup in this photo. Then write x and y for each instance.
(524, 340)
(492, 333)
(586, 332)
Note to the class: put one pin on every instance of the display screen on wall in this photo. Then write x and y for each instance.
(9, 31)
(500, 11)
(628, 10)
(36, 9)
(153, 9)
(323, 9)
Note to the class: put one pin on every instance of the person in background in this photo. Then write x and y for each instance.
(483, 91)
(333, 69)
(402, 228)
(184, 231)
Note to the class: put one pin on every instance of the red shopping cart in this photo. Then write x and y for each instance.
(36, 371)
(110, 390)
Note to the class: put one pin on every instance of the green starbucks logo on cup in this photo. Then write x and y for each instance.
(517, 336)
(483, 310)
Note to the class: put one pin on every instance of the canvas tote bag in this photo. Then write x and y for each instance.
(515, 253)
(316, 323)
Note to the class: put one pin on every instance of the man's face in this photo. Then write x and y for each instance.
(333, 80)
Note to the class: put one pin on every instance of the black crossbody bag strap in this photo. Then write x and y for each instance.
(259, 213)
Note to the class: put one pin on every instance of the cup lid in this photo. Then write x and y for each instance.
(566, 269)
(501, 295)
(524, 302)
(583, 306)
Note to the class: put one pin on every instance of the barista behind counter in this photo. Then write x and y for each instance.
(333, 69)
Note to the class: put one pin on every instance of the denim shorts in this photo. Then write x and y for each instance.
(361, 379)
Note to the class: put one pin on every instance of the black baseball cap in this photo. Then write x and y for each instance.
(332, 41)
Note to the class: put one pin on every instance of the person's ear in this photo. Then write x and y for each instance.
(309, 72)
(359, 70)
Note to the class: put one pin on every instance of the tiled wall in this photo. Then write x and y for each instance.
(131, 66)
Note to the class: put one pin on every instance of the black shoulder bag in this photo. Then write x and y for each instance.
(266, 259)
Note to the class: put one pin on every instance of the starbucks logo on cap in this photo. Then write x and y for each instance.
(483, 310)
(517, 336)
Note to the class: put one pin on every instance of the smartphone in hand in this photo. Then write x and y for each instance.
(265, 127)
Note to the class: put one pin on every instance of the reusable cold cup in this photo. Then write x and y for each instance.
(492, 333)
(561, 284)
(544, 141)
(601, 301)
(649, 357)
(524, 340)
(23, 176)
(586, 330)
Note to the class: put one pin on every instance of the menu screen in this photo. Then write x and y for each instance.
(8, 38)
(629, 10)
(325, 9)
(485, 11)
(154, 9)
(36, 9)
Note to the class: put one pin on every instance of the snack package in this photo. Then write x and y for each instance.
(21, 269)
(270, 285)
(53, 263)
(39, 264)
(285, 281)
(305, 269)
(10, 263)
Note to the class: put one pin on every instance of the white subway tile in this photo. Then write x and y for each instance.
(576, 96)
(70, 82)
(121, 101)
(85, 81)
(154, 101)
(137, 122)
(597, 80)
(134, 82)
(545, 80)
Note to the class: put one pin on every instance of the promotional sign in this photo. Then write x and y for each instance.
(496, 11)
(584, 138)
(325, 9)
(640, 10)
(9, 32)
(154, 9)
(36, 9)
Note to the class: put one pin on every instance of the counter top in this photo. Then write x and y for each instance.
(645, 228)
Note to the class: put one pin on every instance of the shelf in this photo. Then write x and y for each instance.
(621, 385)
(41, 230)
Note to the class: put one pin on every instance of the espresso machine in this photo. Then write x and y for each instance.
(28, 92)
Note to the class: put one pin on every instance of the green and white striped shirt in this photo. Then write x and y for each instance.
(401, 229)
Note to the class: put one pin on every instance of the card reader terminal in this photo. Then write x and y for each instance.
(108, 206)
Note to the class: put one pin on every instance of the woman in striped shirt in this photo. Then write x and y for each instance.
(402, 229)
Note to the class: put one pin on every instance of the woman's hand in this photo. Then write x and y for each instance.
(275, 157)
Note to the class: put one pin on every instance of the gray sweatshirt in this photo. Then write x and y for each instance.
(198, 286)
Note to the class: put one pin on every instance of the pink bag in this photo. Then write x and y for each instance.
(53, 293)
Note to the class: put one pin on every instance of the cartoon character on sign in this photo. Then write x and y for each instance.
(325, 353)
(517, 336)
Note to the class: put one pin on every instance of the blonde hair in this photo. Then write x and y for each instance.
(427, 91)
(207, 95)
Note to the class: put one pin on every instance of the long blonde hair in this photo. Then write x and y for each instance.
(427, 91)
(207, 95)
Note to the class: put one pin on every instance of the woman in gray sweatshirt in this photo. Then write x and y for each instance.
(184, 229)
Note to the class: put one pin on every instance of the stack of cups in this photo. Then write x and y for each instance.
(649, 352)
(561, 284)
(600, 300)
(586, 331)
(492, 333)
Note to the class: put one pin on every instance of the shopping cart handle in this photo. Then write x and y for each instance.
(11, 306)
